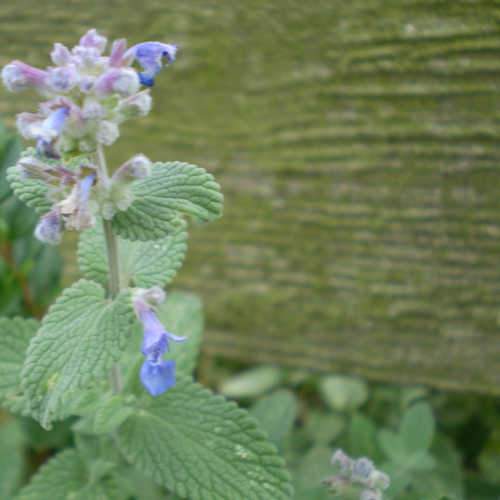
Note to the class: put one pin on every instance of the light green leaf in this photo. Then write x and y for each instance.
(276, 414)
(417, 427)
(143, 264)
(343, 393)
(172, 188)
(252, 383)
(362, 437)
(11, 458)
(80, 338)
(32, 191)
(67, 476)
(15, 336)
(392, 445)
(203, 447)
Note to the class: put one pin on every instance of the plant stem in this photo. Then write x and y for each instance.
(113, 260)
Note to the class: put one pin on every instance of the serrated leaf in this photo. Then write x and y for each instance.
(79, 339)
(417, 427)
(30, 191)
(66, 476)
(172, 188)
(142, 263)
(15, 336)
(203, 447)
(276, 414)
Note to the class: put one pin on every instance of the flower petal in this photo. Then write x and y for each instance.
(158, 377)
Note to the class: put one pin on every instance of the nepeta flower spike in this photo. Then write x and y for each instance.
(150, 55)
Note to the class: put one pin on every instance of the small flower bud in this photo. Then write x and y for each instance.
(379, 480)
(370, 495)
(123, 81)
(362, 468)
(107, 132)
(49, 228)
(60, 55)
(92, 109)
(138, 167)
(118, 49)
(92, 39)
(62, 79)
(19, 76)
(136, 105)
(27, 124)
(343, 461)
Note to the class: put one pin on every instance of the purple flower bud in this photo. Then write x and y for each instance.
(138, 167)
(156, 338)
(157, 377)
(136, 105)
(123, 81)
(28, 123)
(50, 130)
(60, 55)
(362, 468)
(116, 57)
(19, 76)
(92, 109)
(49, 228)
(62, 79)
(93, 40)
(151, 55)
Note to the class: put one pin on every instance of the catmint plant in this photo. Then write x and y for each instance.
(115, 353)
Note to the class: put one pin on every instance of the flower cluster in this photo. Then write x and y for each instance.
(359, 474)
(87, 96)
(157, 375)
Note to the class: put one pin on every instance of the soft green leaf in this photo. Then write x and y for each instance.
(66, 476)
(15, 336)
(276, 414)
(362, 437)
(392, 445)
(343, 393)
(11, 458)
(32, 191)
(252, 383)
(313, 469)
(79, 339)
(417, 427)
(323, 427)
(203, 447)
(172, 188)
(143, 264)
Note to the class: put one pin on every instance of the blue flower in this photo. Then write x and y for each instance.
(151, 55)
(50, 130)
(158, 377)
(49, 228)
(156, 374)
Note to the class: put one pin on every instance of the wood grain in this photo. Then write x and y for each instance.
(358, 148)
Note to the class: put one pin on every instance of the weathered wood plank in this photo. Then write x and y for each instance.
(358, 147)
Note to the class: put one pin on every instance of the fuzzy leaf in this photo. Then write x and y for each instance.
(203, 447)
(31, 191)
(79, 339)
(15, 336)
(143, 263)
(172, 188)
(67, 476)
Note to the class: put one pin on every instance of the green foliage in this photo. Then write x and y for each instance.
(202, 446)
(143, 264)
(343, 393)
(25, 288)
(172, 188)
(15, 336)
(80, 338)
(12, 463)
(32, 192)
(252, 383)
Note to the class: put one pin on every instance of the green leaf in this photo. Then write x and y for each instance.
(392, 445)
(362, 437)
(313, 468)
(79, 339)
(322, 427)
(252, 383)
(11, 458)
(343, 393)
(67, 476)
(143, 264)
(203, 447)
(32, 191)
(15, 336)
(276, 414)
(172, 188)
(417, 427)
